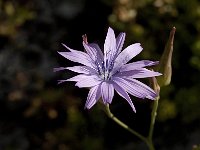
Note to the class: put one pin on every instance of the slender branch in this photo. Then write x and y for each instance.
(150, 144)
(151, 129)
(156, 88)
(153, 117)
(119, 122)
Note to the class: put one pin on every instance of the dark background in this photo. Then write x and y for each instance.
(38, 114)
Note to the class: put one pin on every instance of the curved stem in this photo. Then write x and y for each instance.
(153, 117)
(156, 88)
(147, 140)
(150, 144)
(119, 122)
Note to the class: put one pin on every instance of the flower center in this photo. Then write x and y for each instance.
(106, 75)
(105, 70)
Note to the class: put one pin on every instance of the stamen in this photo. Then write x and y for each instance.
(85, 38)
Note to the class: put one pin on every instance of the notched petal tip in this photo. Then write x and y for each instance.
(156, 73)
(61, 53)
(61, 81)
(133, 107)
(59, 69)
(89, 106)
(152, 97)
(109, 28)
(64, 54)
(86, 107)
(77, 85)
(139, 46)
(67, 47)
(154, 63)
(159, 74)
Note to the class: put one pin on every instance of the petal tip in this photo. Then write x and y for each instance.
(55, 69)
(59, 52)
(109, 28)
(58, 69)
(61, 81)
(63, 44)
(86, 107)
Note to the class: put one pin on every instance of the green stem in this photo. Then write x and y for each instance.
(119, 122)
(153, 117)
(150, 144)
(147, 140)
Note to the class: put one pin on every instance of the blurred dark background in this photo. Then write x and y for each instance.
(38, 114)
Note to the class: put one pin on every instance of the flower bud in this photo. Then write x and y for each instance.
(165, 65)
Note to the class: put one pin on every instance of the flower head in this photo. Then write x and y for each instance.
(105, 72)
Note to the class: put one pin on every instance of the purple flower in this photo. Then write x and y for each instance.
(104, 73)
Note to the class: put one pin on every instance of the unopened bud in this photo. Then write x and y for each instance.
(165, 65)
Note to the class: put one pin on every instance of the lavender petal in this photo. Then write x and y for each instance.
(107, 92)
(79, 57)
(120, 42)
(68, 48)
(110, 42)
(150, 93)
(88, 81)
(123, 94)
(130, 88)
(109, 46)
(96, 46)
(137, 65)
(61, 81)
(91, 51)
(94, 52)
(93, 96)
(82, 69)
(75, 78)
(138, 73)
(59, 69)
(78, 78)
(127, 54)
(136, 88)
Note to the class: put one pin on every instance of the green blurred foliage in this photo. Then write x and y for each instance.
(13, 15)
(38, 114)
(196, 147)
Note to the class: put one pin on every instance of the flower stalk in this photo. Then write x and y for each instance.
(147, 140)
(153, 118)
(123, 125)
(156, 88)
